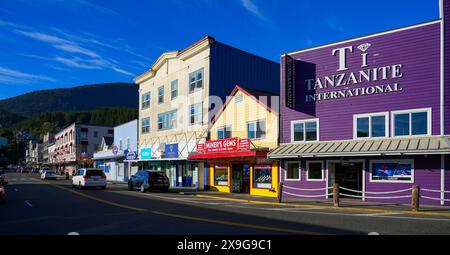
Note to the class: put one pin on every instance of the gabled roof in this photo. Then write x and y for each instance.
(253, 94)
(108, 141)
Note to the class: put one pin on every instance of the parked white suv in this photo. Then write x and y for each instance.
(89, 177)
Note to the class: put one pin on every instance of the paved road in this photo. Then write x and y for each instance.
(54, 207)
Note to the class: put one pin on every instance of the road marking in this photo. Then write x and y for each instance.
(73, 234)
(98, 199)
(28, 203)
(223, 222)
(373, 234)
(332, 207)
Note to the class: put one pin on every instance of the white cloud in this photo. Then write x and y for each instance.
(58, 43)
(251, 7)
(13, 76)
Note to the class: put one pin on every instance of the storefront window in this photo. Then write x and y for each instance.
(314, 170)
(292, 171)
(392, 170)
(221, 175)
(262, 176)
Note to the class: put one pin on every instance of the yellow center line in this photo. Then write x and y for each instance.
(98, 199)
(328, 207)
(292, 231)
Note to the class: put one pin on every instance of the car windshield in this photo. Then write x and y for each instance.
(94, 173)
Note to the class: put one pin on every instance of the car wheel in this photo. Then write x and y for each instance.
(79, 185)
(142, 188)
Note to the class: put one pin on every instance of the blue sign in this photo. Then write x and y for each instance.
(130, 155)
(171, 150)
(146, 153)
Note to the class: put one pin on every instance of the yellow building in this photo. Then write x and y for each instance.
(241, 135)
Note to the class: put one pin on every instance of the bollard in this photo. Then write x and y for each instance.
(336, 195)
(280, 192)
(415, 198)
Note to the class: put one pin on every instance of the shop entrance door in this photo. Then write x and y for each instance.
(347, 175)
(240, 178)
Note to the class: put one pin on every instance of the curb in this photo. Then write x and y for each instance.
(327, 207)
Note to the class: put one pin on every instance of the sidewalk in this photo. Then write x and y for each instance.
(344, 203)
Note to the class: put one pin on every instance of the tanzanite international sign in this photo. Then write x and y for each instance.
(171, 150)
(290, 82)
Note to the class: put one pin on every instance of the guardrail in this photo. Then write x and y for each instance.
(337, 192)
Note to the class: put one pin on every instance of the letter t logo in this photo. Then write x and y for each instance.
(342, 57)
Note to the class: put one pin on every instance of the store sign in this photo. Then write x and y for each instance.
(146, 153)
(222, 145)
(171, 150)
(200, 148)
(244, 144)
(376, 79)
(289, 70)
(130, 155)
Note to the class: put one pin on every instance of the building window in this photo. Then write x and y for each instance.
(173, 89)
(146, 100)
(314, 171)
(224, 132)
(196, 113)
(128, 143)
(238, 98)
(262, 176)
(305, 130)
(83, 135)
(196, 80)
(167, 120)
(292, 171)
(161, 95)
(145, 125)
(412, 122)
(374, 125)
(392, 171)
(256, 129)
(221, 175)
(110, 131)
(121, 144)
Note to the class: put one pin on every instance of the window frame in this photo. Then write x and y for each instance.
(195, 114)
(146, 104)
(167, 113)
(142, 126)
(308, 162)
(224, 128)
(410, 160)
(293, 122)
(161, 96)
(370, 115)
(172, 90)
(202, 69)
(256, 129)
(299, 170)
(410, 112)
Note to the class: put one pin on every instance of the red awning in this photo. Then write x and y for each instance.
(230, 155)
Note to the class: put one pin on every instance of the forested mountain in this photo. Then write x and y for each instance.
(81, 98)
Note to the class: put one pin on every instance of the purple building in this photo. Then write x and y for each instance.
(371, 114)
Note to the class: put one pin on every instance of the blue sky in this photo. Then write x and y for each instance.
(63, 43)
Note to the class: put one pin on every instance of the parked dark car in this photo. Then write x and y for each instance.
(3, 178)
(2, 193)
(149, 180)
